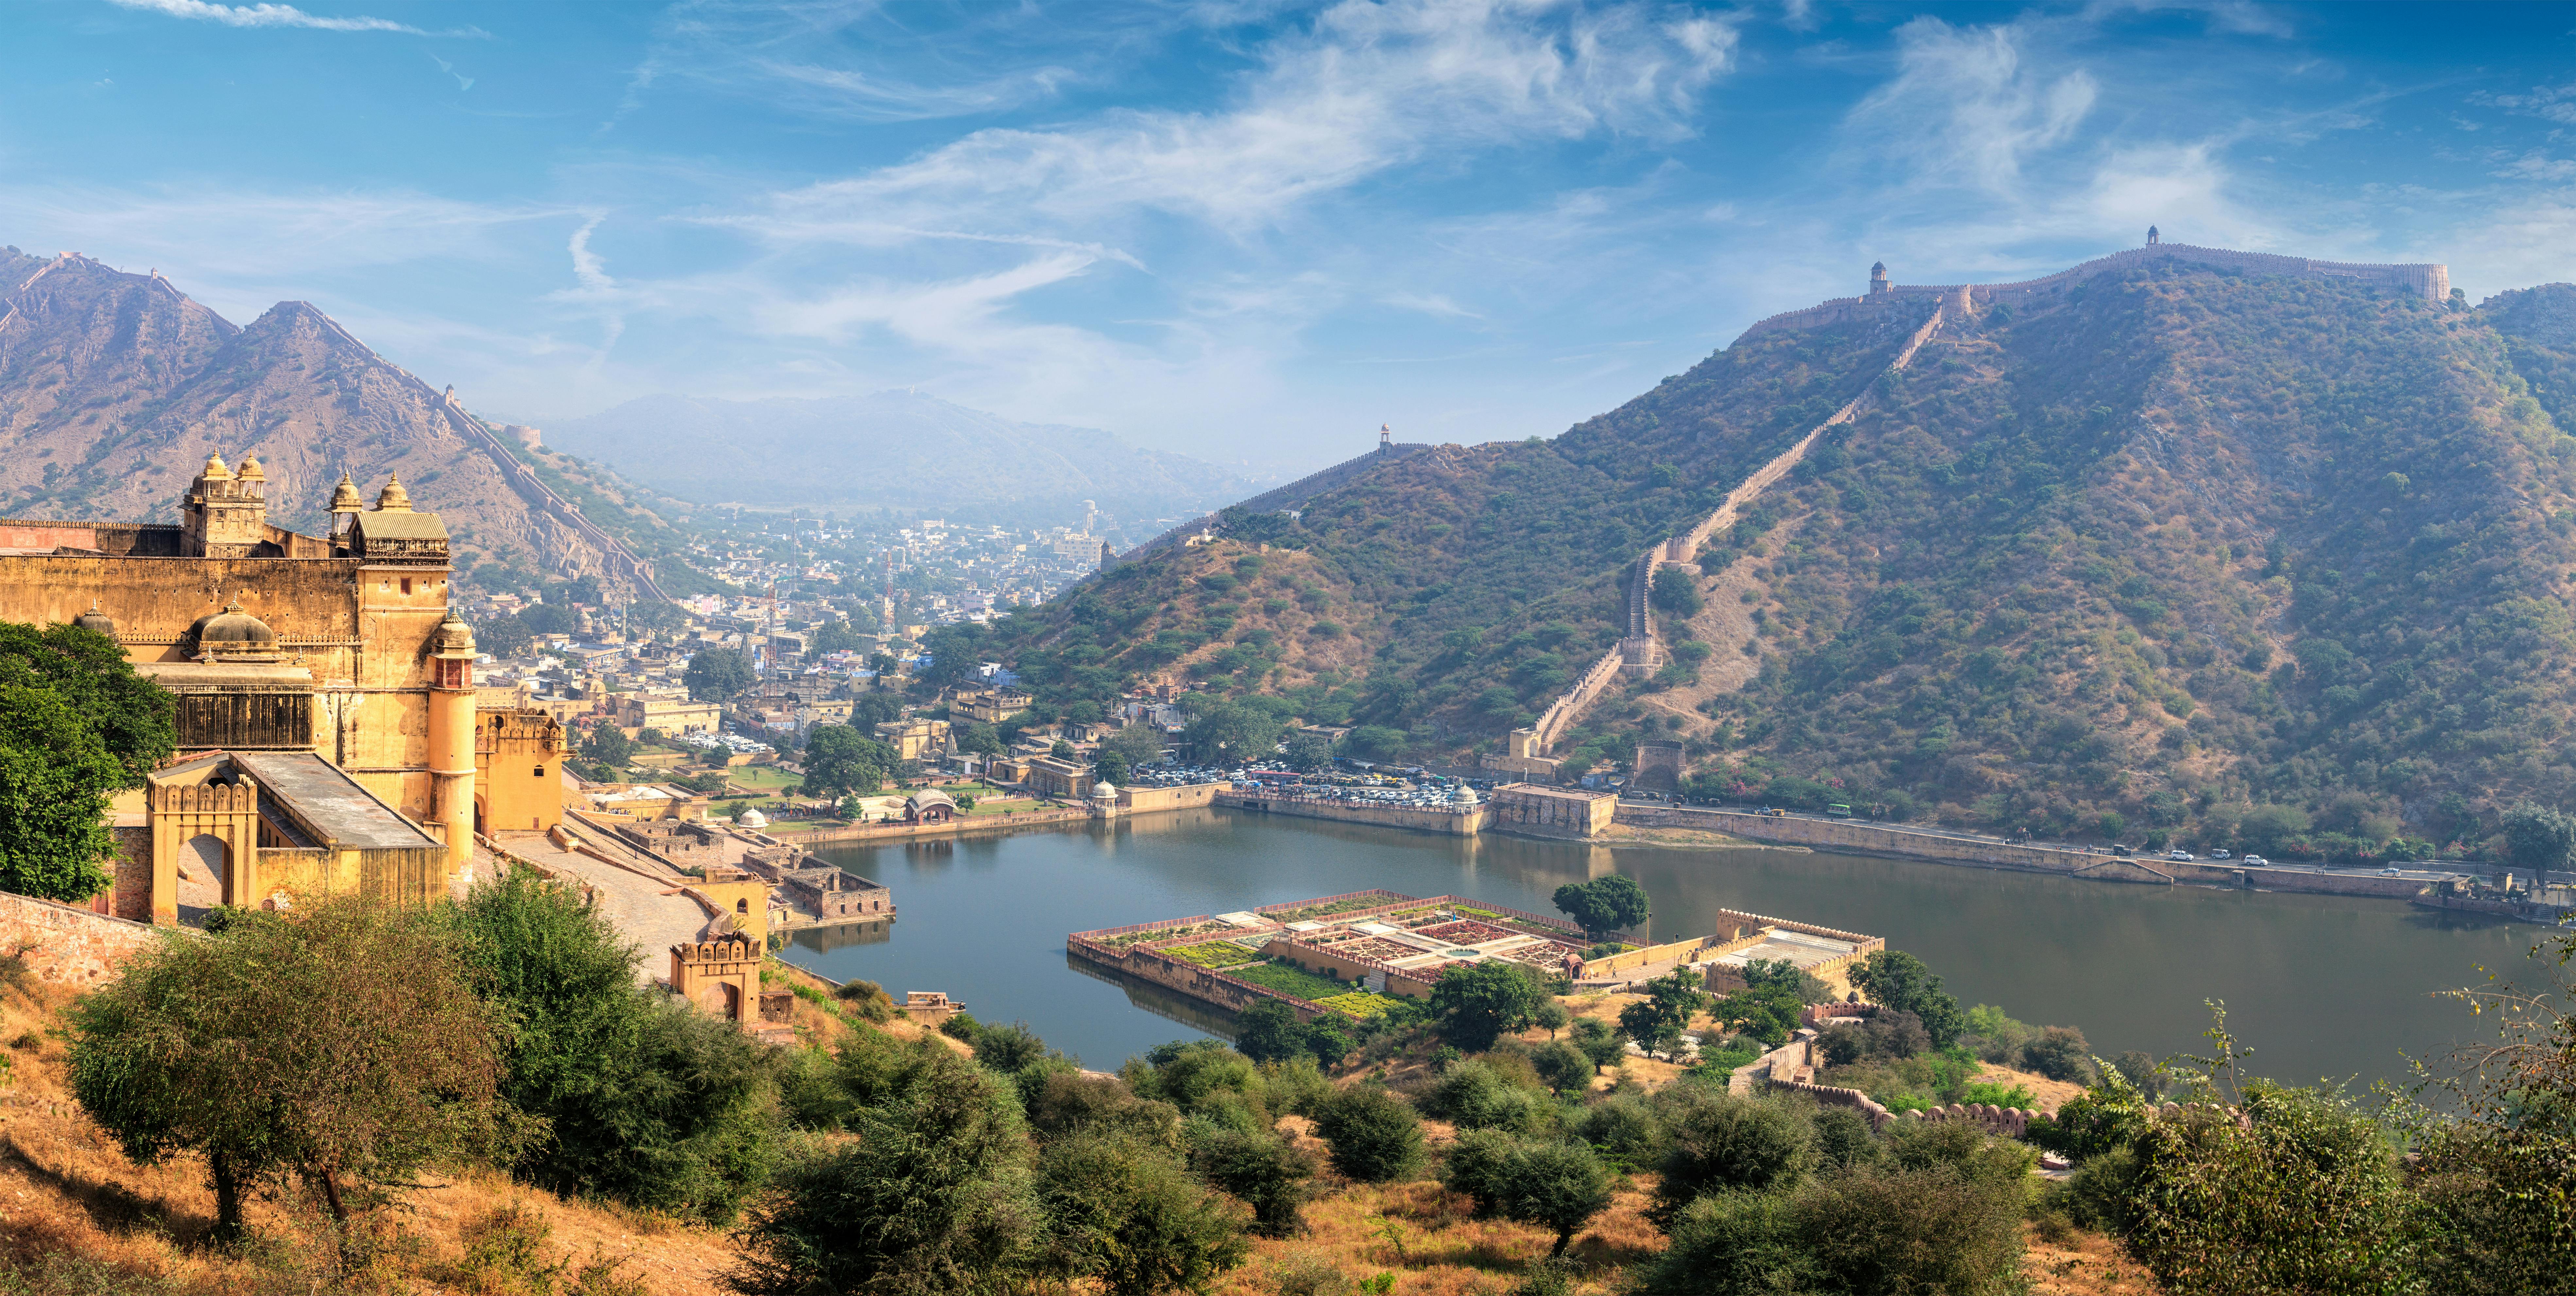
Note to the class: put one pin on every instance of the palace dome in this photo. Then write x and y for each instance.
(345, 497)
(453, 635)
(96, 620)
(234, 630)
(215, 469)
(393, 498)
(251, 471)
(1104, 791)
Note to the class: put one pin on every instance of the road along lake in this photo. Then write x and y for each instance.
(2322, 987)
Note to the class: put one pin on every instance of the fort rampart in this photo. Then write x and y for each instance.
(2427, 280)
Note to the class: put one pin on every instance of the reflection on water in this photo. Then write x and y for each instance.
(1162, 1001)
(823, 940)
(2320, 986)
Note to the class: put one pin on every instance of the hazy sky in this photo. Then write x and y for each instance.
(1233, 229)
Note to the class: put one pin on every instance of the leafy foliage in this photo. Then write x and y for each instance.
(1605, 904)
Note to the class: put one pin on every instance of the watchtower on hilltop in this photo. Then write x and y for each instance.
(1877, 277)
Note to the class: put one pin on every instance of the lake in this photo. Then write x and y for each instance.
(2318, 986)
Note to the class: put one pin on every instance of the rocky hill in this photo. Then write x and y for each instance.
(891, 449)
(114, 388)
(2164, 545)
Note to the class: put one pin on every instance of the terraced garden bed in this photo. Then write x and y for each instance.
(1295, 982)
(1211, 954)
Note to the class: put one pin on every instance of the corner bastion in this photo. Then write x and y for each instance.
(2428, 280)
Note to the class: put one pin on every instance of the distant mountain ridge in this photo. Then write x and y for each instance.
(115, 387)
(888, 449)
(2185, 533)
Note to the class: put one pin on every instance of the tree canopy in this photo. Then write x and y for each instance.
(717, 674)
(76, 724)
(1604, 904)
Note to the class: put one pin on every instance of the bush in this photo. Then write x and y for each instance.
(961, 1025)
(1007, 1049)
(1599, 1042)
(1476, 1095)
(1259, 1168)
(1562, 1066)
(1373, 1135)
(933, 1196)
(1481, 1002)
(1624, 1129)
(1558, 1186)
(2305, 1196)
(1874, 1230)
(1720, 1140)
(1126, 1215)
(2060, 1053)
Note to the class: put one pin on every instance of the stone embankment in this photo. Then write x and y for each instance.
(1855, 838)
(1459, 822)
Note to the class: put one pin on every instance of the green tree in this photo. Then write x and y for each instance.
(1140, 744)
(1899, 980)
(2537, 837)
(1675, 590)
(1481, 1002)
(1656, 1022)
(1605, 904)
(975, 738)
(838, 636)
(76, 723)
(1269, 1032)
(1124, 1214)
(1230, 732)
(1557, 1186)
(503, 636)
(840, 759)
(1109, 767)
(933, 1196)
(648, 1102)
(1373, 1135)
(1308, 752)
(1063, 751)
(607, 744)
(54, 783)
(1599, 1042)
(1377, 742)
(717, 674)
(340, 1043)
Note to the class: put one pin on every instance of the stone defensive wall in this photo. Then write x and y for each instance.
(1640, 653)
(1908, 843)
(1131, 801)
(2429, 280)
(1292, 495)
(64, 946)
(1126, 950)
(1136, 800)
(1457, 823)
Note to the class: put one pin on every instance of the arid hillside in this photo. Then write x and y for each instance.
(114, 388)
(2173, 543)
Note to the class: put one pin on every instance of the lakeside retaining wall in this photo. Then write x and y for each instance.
(1878, 839)
(1456, 823)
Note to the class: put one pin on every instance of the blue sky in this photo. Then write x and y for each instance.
(1243, 230)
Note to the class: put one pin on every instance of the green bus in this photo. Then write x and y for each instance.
(1838, 812)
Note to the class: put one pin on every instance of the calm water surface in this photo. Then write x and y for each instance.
(2320, 986)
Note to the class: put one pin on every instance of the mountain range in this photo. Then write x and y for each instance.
(890, 449)
(115, 387)
(2164, 543)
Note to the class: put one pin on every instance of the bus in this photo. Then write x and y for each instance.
(1838, 812)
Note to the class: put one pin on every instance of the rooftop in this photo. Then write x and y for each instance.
(330, 802)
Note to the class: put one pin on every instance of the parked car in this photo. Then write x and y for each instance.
(2122, 851)
(2218, 854)
(2253, 861)
(2182, 856)
(2391, 871)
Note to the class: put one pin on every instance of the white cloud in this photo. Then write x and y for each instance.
(278, 15)
(1372, 86)
(1433, 304)
(1964, 110)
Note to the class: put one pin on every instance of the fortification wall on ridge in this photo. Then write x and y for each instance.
(2430, 280)
(1289, 496)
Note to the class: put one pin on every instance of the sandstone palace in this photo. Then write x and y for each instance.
(327, 731)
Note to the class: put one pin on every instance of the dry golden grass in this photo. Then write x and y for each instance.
(66, 1191)
(2082, 1264)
